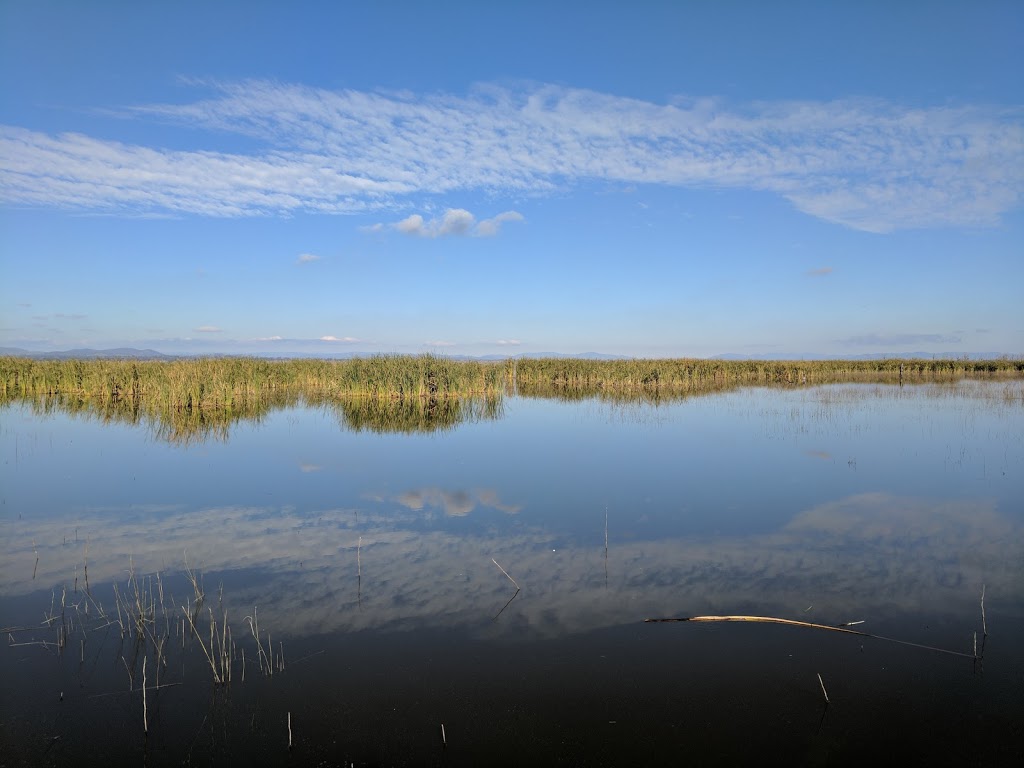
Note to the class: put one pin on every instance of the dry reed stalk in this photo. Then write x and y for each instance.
(145, 716)
(984, 627)
(254, 627)
(213, 665)
(289, 730)
(822, 683)
(506, 574)
(444, 739)
(794, 623)
(86, 568)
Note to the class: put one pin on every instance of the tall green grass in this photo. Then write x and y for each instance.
(222, 382)
(196, 398)
(685, 375)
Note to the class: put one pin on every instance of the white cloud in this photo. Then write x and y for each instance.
(307, 258)
(411, 226)
(346, 339)
(455, 221)
(490, 227)
(207, 329)
(870, 165)
(508, 342)
(270, 338)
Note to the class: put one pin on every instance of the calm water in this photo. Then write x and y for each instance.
(374, 561)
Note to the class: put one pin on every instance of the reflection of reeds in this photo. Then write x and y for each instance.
(414, 414)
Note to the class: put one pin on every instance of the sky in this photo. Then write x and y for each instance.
(651, 179)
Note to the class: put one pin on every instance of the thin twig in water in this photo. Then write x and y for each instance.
(289, 730)
(984, 627)
(793, 623)
(506, 573)
(145, 717)
(822, 682)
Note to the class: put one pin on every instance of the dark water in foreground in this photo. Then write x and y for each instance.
(374, 562)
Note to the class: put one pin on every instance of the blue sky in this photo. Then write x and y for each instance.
(653, 179)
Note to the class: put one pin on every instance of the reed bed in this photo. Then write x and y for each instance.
(195, 399)
(224, 382)
(198, 398)
(684, 375)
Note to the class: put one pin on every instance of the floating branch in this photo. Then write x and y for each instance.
(793, 623)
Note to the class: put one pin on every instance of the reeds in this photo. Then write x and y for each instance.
(225, 382)
(202, 397)
(566, 376)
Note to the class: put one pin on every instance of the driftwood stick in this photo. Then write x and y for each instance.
(794, 623)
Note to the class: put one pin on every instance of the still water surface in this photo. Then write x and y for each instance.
(493, 578)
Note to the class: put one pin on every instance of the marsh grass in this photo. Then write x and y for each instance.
(144, 618)
(694, 375)
(228, 382)
(197, 399)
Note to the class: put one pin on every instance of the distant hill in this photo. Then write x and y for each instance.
(872, 356)
(121, 353)
(130, 353)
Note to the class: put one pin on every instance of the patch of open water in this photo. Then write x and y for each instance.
(493, 578)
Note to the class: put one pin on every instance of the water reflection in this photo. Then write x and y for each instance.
(866, 556)
(457, 503)
(190, 426)
(414, 414)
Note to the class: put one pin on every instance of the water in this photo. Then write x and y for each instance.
(377, 564)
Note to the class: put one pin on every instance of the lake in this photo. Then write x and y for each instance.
(476, 594)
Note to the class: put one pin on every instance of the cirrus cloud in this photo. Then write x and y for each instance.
(867, 164)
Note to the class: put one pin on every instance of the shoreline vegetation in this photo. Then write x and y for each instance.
(197, 398)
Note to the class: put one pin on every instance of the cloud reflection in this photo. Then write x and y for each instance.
(866, 557)
(454, 503)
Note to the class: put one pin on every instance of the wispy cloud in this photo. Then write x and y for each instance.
(899, 339)
(820, 272)
(307, 258)
(58, 316)
(867, 164)
(344, 339)
(455, 221)
(207, 329)
(508, 342)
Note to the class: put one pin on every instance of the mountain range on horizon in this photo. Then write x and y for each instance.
(132, 353)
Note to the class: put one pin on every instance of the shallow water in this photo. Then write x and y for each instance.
(377, 564)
